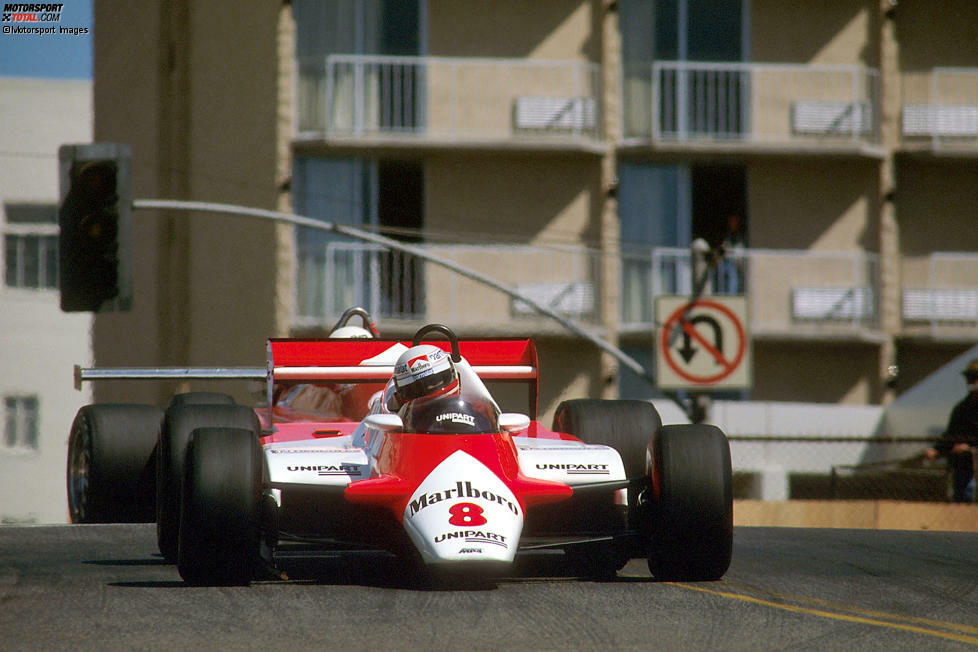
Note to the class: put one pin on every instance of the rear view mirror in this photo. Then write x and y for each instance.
(513, 422)
(384, 422)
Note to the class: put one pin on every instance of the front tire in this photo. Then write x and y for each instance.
(180, 422)
(690, 503)
(625, 426)
(110, 476)
(220, 515)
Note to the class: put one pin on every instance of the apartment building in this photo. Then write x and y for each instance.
(39, 344)
(570, 150)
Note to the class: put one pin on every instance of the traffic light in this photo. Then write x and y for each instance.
(93, 244)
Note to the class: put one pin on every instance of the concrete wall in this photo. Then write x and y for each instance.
(202, 116)
(561, 29)
(937, 209)
(860, 514)
(823, 33)
(820, 372)
(929, 37)
(513, 198)
(825, 204)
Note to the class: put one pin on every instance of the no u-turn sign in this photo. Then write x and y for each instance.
(702, 343)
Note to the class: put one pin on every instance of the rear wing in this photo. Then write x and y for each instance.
(343, 360)
(372, 361)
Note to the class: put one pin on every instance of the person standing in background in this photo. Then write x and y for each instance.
(960, 440)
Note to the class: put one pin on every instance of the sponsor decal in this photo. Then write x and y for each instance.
(326, 469)
(474, 536)
(576, 469)
(420, 366)
(460, 490)
(456, 417)
(470, 551)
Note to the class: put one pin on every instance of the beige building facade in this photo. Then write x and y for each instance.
(39, 343)
(570, 150)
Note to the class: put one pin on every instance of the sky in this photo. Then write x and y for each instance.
(56, 56)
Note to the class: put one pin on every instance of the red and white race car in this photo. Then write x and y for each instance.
(342, 452)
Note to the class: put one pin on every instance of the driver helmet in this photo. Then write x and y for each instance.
(352, 333)
(424, 371)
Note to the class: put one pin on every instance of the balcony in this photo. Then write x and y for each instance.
(750, 105)
(446, 101)
(807, 294)
(940, 295)
(940, 110)
(400, 286)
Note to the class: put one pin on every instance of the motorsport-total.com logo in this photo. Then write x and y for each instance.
(27, 15)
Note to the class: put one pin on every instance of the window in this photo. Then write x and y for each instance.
(688, 53)
(335, 273)
(662, 209)
(30, 234)
(377, 84)
(20, 430)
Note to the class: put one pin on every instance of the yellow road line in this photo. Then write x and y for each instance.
(859, 610)
(842, 616)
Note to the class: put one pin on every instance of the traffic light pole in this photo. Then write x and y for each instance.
(366, 236)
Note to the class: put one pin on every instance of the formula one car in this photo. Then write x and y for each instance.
(400, 446)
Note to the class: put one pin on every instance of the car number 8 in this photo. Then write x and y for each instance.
(465, 514)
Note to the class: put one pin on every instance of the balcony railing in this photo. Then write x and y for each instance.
(397, 285)
(447, 98)
(940, 108)
(808, 292)
(802, 292)
(750, 103)
(940, 294)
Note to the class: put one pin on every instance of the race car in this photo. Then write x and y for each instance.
(419, 460)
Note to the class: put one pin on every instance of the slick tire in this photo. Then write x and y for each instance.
(691, 516)
(220, 508)
(110, 469)
(626, 426)
(178, 424)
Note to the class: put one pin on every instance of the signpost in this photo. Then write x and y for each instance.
(702, 343)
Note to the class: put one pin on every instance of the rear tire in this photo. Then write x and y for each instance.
(110, 469)
(624, 425)
(627, 427)
(220, 515)
(691, 517)
(179, 423)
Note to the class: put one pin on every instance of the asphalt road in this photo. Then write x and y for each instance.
(105, 587)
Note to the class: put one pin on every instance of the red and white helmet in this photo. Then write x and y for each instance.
(351, 333)
(424, 370)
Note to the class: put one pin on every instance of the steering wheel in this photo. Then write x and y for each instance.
(444, 330)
